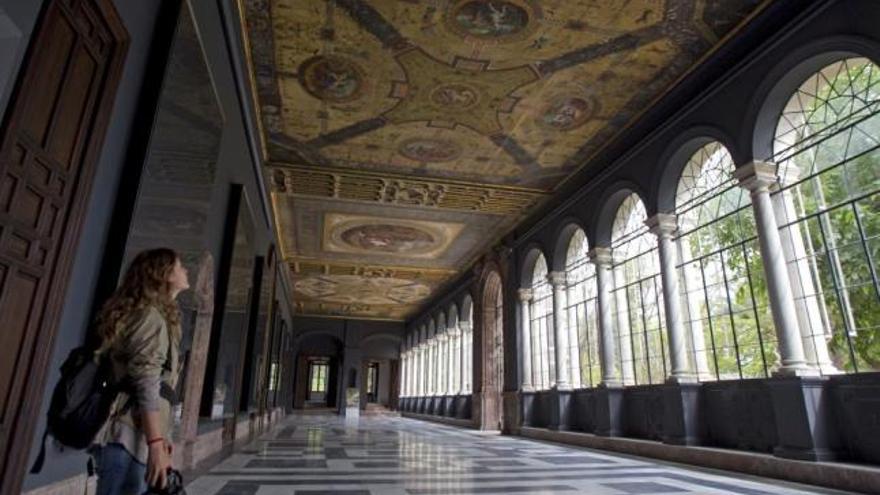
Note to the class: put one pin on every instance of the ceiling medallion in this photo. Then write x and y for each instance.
(332, 78)
(567, 112)
(384, 238)
(494, 20)
(429, 150)
(456, 95)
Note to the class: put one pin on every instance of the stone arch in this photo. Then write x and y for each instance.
(314, 345)
(440, 318)
(786, 76)
(563, 239)
(489, 346)
(467, 309)
(381, 335)
(452, 316)
(610, 203)
(675, 158)
(527, 268)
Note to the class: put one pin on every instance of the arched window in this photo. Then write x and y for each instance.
(583, 325)
(423, 362)
(638, 296)
(455, 344)
(827, 147)
(432, 358)
(541, 311)
(404, 369)
(467, 336)
(725, 303)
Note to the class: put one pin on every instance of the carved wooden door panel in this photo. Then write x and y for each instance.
(49, 145)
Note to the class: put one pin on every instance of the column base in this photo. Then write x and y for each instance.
(560, 410)
(682, 420)
(527, 401)
(796, 371)
(449, 406)
(804, 426)
(510, 410)
(609, 410)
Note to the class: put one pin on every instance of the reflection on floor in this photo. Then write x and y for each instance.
(391, 455)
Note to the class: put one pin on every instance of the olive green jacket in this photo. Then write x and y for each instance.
(144, 354)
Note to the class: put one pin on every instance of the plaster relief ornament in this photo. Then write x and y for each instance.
(566, 113)
(355, 289)
(456, 95)
(490, 19)
(332, 78)
(397, 239)
(429, 150)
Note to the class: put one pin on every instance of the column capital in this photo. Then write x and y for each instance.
(453, 331)
(442, 337)
(559, 280)
(757, 176)
(663, 225)
(525, 295)
(600, 256)
(787, 173)
(465, 326)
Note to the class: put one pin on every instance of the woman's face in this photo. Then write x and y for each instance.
(178, 279)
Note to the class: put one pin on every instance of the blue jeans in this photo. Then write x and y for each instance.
(119, 473)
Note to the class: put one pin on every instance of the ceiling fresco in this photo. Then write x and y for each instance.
(450, 106)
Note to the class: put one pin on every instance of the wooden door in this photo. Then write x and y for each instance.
(49, 144)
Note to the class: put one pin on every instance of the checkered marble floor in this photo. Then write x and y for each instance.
(312, 455)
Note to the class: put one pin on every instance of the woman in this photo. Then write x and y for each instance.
(139, 326)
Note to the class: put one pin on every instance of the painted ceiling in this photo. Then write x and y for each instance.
(404, 137)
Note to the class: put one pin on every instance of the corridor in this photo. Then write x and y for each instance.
(388, 455)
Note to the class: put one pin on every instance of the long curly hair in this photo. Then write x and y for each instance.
(145, 284)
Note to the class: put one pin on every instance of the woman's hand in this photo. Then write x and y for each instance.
(158, 463)
(159, 458)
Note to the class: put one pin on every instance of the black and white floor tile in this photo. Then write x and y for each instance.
(321, 455)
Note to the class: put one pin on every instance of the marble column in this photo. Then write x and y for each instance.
(404, 373)
(664, 226)
(525, 301)
(422, 376)
(758, 177)
(450, 360)
(443, 372)
(608, 406)
(408, 375)
(467, 367)
(461, 357)
(601, 258)
(560, 417)
(558, 281)
(432, 366)
(813, 318)
(527, 387)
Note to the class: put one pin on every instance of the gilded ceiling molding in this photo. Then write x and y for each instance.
(410, 191)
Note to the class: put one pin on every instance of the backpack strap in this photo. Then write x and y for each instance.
(41, 458)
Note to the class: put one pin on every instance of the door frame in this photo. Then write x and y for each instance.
(14, 458)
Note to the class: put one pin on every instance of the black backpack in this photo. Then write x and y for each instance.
(81, 401)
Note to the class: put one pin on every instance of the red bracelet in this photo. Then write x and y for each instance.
(157, 439)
